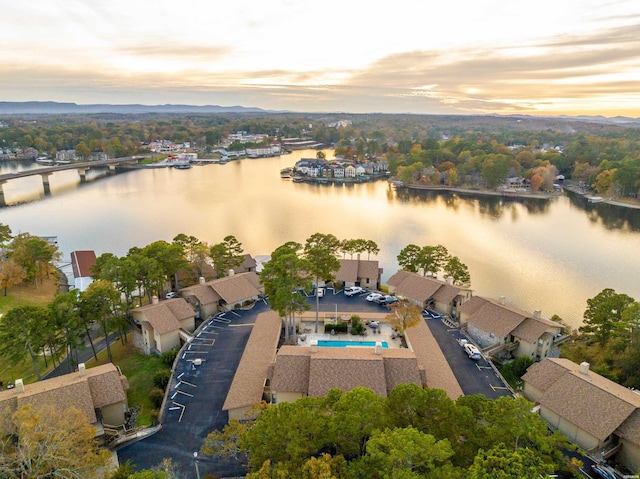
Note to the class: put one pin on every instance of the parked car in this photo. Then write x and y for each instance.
(472, 352)
(171, 294)
(386, 299)
(603, 471)
(353, 290)
(320, 292)
(374, 296)
(432, 314)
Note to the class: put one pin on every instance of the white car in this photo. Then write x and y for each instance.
(374, 296)
(472, 352)
(353, 290)
(171, 294)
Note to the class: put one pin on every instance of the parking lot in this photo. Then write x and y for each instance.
(201, 380)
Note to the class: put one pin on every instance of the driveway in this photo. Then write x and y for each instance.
(201, 380)
(474, 377)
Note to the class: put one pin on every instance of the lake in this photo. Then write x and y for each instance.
(549, 255)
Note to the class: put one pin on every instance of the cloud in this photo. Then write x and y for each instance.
(192, 52)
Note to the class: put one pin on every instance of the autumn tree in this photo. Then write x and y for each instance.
(404, 315)
(51, 442)
(11, 274)
(34, 255)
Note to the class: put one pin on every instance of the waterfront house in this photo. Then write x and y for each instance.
(497, 326)
(360, 170)
(338, 171)
(600, 416)
(163, 325)
(349, 171)
(81, 264)
(223, 294)
(428, 292)
(98, 392)
(357, 272)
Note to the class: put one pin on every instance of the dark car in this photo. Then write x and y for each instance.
(603, 472)
(386, 300)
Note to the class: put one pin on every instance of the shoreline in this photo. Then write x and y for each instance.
(608, 201)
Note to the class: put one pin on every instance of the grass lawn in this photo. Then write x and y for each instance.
(139, 369)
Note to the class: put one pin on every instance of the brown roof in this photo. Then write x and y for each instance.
(297, 369)
(503, 319)
(353, 269)
(592, 402)
(202, 292)
(81, 263)
(99, 386)
(431, 358)
(421, 288)
(165, 316)
(248, 383)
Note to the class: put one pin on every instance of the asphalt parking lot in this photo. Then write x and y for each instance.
(193, 408)
(474, 377)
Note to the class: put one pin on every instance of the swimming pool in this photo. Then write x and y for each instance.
(345, 344)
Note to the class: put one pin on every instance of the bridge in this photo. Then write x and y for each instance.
(47, 171)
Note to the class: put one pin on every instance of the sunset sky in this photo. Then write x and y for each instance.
(547, 57)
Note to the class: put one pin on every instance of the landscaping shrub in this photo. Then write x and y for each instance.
(154, 416)
(357, 327)
(168, 357)
(161, 378)
(338, 328)
(156, 395)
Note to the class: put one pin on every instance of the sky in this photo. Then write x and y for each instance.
(549, 57)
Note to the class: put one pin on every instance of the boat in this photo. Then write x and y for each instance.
(182, 166)
(285, 173)
(298, 179)
(595, 199)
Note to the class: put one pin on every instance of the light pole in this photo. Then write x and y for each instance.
(195, 457)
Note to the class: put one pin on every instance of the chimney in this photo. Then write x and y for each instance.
(19, 386)
(502, 300)
(537, 314)
(378, 348)
(231, 272)
(154, 299)
(584, 367)
(314, 346)
(450, 280)
(201, 280)
(81, 369)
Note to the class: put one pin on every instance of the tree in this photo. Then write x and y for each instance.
(494, 170)
(282, 277)
(82, 150)
(226, 255)
(53, 443)
(320, 252)
(195, 252)
(604, 315)
(11, 274)
(500, 462)
(65, 316)
(457, 270)
(20, 331)
(100, 301)
(404, 315)
(433, 259)
(5, 235)
(170, 256)
(408, 258)
(34, 255)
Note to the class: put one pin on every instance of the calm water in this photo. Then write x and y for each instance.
(547, 255)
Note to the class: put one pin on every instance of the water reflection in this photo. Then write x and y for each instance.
(609, 216)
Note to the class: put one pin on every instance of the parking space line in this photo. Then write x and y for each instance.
(483, 367)
(189, 384)
(497, 387)
(238, 325)
(206, 342)
(196, 352)
(186, 394)
(181, 406)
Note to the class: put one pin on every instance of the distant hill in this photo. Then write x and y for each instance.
(55, 108)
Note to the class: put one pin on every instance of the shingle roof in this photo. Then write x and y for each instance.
(81, 263)
(297, 369)
(248, 383)
(431, 358)
(232, 289)
(503, 319)
(98, 387)
(421, 288)
(351, 270)
(202, 292)
(165, 316)
(592, 402)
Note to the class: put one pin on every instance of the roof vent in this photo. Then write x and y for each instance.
(19, 386)
(502, 299)
(584, 367)
(450, 280)
(537, 314)
(378, 347)
(81, 369)
(154, 299)
(201, 280)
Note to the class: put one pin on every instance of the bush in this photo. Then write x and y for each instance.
(154, 416)
(357, 327)
(157, 396)
(338, 328)
(161, 378)
(168, 357)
